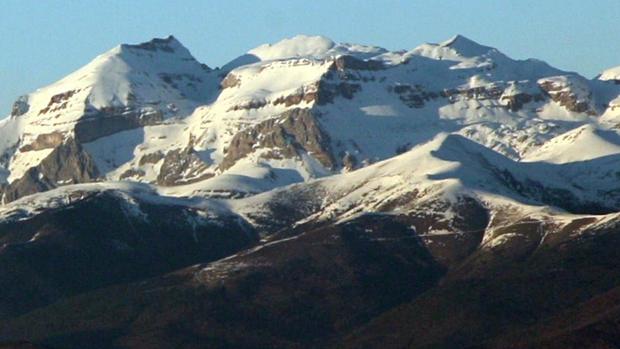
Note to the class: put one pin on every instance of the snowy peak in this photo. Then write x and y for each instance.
(318, 47)
(168, 52)
(169, 45)
(297, 46)
(465, 46)
(125, 88)
(128, 72)
(458, 48)
(155, 73)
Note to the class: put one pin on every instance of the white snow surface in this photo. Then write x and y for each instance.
(312, 47)
(610, 74)
(429, 104)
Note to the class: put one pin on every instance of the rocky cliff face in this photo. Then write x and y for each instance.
(110, 121)
(292, 134)
(66, 164)
(182, 167)
(571, 93)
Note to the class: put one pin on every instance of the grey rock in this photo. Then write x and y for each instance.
(182, 166)
(67, 164)
(20, 106)
(44, 141)
(109, 121)
(294, 132)
(349, 62)
(151, 158)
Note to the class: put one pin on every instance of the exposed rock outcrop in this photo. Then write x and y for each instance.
(349, 62)
(294, 132)
(414, 96)
(44, 141)
(303, 94)
(20, 107)
(58, 102)
(132, 173)
(151, 158)
(231, 80)
(327, 91)
(349, 161)
(182, 166)
(109, 121)
(250, 104)
(571, 93)
(67, 164)
(517, 101)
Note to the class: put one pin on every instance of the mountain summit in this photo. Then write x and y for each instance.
(312, 47)
(465, 46)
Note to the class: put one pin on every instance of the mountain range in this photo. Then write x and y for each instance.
(312, 194)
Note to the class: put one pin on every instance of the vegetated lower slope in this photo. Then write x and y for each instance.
(329, 280)
(312, 194)
(88, 238)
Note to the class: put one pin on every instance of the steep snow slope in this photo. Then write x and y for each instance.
(376, 108)
(428, 89)
(583, 143)
(446, 169)
(127, 87)
(152, 73)
(302, 108)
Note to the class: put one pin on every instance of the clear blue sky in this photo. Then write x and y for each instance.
(42, 41)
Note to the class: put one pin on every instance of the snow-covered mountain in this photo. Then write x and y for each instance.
(451, 161)
(302, 108)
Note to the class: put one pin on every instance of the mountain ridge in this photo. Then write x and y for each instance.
(134, 132)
